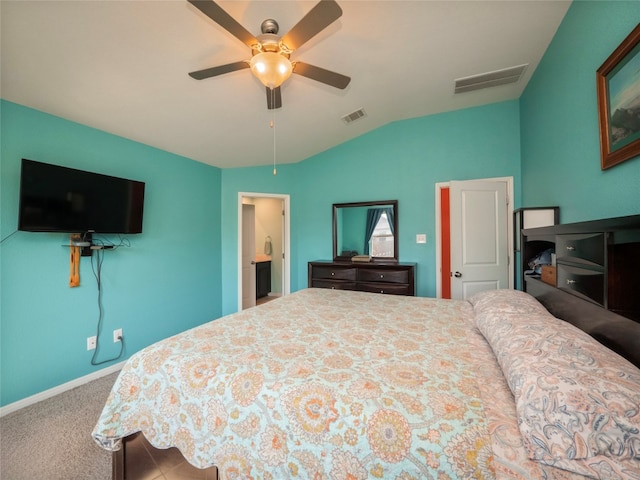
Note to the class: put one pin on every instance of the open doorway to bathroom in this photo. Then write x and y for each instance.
(263, 248)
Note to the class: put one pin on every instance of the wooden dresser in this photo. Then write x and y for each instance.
(388, 278)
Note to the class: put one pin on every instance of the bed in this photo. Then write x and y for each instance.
(353, 385)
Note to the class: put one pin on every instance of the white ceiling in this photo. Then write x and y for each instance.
(121, 66)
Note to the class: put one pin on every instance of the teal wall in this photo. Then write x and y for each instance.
(182, 271)
(403, 160)
(167, 281)
(251, 180)
(559, 119)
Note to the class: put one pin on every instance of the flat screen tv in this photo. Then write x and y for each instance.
(62, 199)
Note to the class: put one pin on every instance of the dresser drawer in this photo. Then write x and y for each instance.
(335, 273)
(387, 288)
(396, 278)
(589, 283)
(334, 285)
(588, 249)
(386, 276)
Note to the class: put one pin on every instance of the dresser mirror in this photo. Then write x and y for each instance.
(366, 228)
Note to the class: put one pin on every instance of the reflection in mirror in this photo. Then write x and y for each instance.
(366, 228)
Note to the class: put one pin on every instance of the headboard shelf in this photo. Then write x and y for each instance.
(599, 260)
(618, 224)
(596, 282)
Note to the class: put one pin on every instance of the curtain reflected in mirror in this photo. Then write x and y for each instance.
(365, 228)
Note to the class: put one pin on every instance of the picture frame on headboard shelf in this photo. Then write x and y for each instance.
(618, 87)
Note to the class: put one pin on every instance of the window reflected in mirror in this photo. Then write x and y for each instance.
(381, 242)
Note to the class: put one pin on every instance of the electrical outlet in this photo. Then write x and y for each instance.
(117, 335)
(91, 343)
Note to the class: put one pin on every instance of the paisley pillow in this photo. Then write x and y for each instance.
(578, 403)
(507, 301)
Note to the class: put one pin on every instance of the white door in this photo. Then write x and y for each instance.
(479, 237)
(248, 256)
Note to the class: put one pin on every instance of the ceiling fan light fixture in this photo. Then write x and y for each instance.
(271, 68)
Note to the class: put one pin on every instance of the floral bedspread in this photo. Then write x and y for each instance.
(326, 384)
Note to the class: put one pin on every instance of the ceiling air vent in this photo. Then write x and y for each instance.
(490, 79)
(353, 116)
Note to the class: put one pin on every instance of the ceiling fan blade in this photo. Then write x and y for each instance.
(319, 17)
(274, 98)
(321, 75)
(212, 10)
(219, 70)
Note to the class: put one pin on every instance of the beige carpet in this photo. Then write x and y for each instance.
(52, 439)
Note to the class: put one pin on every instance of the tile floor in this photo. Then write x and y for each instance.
(266, 299)
(144, 462)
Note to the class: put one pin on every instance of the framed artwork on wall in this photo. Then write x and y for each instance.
(618, 86)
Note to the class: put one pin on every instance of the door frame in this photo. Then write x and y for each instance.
(438, 237)
(248, 284)
(286, 238)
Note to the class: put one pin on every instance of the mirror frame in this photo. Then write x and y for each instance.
(392, 203)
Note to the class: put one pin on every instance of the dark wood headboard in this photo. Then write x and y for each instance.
(618, 333)
(594, 284)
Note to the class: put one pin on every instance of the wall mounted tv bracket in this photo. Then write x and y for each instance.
(85, 242)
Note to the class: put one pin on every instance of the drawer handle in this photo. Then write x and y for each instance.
(381, 291)
(571, 282)
(381, 275)
(571, 248)
(332, 274)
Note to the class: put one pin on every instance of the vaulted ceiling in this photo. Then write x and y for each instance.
(121, 66)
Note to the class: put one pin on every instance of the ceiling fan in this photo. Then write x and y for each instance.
(270, 53)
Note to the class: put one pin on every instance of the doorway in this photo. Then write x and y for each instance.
(465, 265)
(265, 237)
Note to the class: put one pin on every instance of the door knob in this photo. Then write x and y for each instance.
(457, 274)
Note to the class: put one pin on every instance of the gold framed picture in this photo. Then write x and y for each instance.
(618, 85)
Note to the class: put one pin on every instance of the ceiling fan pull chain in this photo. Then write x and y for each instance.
(273, 126)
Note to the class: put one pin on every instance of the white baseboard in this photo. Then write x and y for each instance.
(52, 392)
